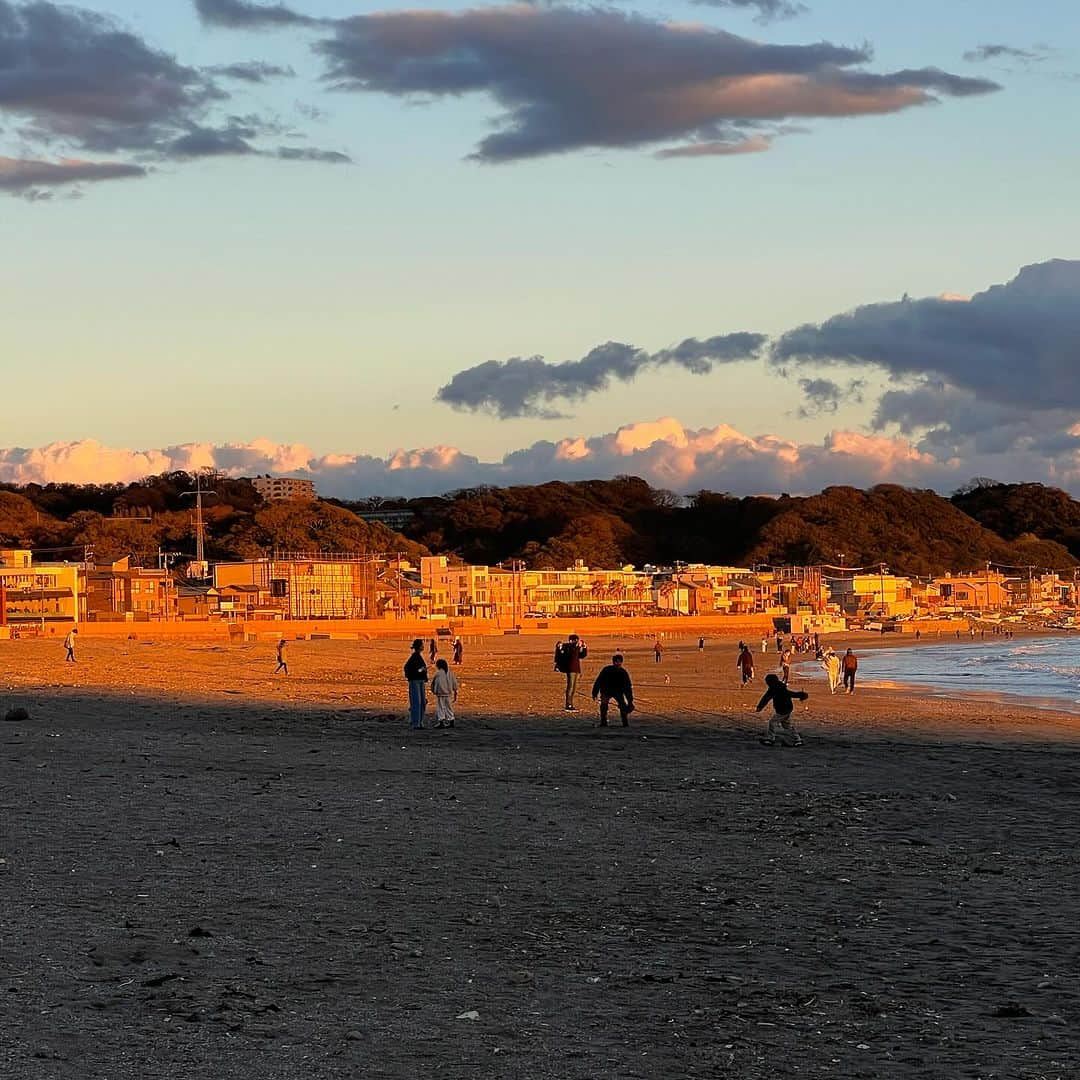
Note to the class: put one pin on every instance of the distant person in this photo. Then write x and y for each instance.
(851, 665)
(459, 651)
(918, 634)
(785, 665)
(433, 650)
(780, 726)
(764, 644)
(568, 661)
(559, 646)
(779, 642)
(416, 674)
(69, 644)
(701, 644)
(745, 664)
(282, 663)
(658, 651)
(445, 688)
(831, 664)
(613, 684)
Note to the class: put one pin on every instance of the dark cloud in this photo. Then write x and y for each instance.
(767, 10)
(569, 78)
(234, 140)
(77, 83)
(1003, 52)
(80, 79)
(303, 153)
(240, 14)
(1014, 344)
(22, 175)
(525, 386)
(825, 396)
(213, 142)
(253, 71)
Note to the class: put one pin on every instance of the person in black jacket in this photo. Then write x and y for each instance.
(416, 674)
(613, 684)
(780, 725)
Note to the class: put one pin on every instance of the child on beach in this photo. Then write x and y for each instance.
(745, 664)
(445, 688)
(780, 726)
(282, 663)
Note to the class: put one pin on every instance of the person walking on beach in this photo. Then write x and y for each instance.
(445, 688)
(701, 644)
(568, 661)
(658, 651)
(459, 651)
(764, 644)
(779, 643)
(851, 665)
(433, 650)
(613, 684)
(69, 644)
(831, 664)
(783, 701)
(417, 677)
(282, 663)
(745, 664)
(785, 665)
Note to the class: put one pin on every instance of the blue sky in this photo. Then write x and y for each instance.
(228, 299)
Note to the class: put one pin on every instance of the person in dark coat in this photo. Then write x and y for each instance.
(783, 701)
(568, 661)
(416, 674)
(613, 684)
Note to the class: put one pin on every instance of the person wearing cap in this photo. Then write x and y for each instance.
(417, 677)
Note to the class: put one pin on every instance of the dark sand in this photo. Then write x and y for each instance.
(210, 872)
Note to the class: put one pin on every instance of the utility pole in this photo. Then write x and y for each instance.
(198, 493)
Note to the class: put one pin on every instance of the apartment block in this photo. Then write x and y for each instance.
(276, 488)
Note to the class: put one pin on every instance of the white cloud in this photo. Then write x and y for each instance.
(663, 451)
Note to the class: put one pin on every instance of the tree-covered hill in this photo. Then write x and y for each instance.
(605, 523)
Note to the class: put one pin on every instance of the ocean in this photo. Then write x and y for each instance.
(1044, 670)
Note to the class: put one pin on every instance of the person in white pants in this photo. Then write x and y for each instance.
(445, 688)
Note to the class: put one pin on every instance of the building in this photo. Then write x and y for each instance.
(518, 594)
(455, 590)
(120, 591)
(880, 595)
(34, 596)
(984, 590)
(276, 488)
(392, 519)
(300, 585)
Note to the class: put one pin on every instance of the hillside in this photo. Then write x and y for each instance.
(606, 523)
(603, 522)
(1012, 510)
(139, 520)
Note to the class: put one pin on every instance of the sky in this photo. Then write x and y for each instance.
(744, 245)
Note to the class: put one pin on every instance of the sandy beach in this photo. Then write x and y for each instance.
(211, 871)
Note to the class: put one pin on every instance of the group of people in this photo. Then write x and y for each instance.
(613, 683)
(444, 687)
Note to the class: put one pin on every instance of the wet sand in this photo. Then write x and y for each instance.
(210, 871)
